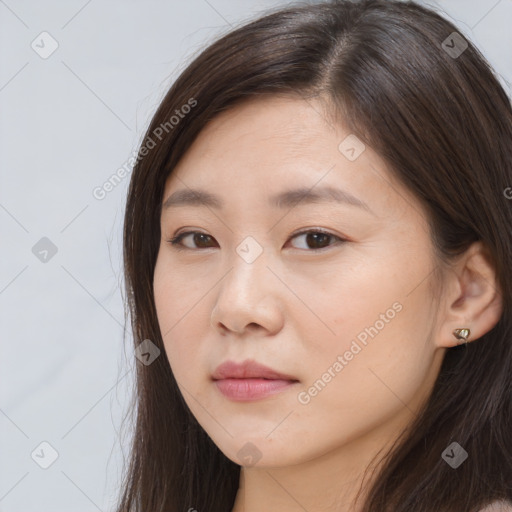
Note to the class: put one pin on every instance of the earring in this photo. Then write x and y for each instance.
(462, 334)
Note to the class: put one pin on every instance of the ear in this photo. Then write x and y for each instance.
(473, 298)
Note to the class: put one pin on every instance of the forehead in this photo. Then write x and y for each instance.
(263, 146)
(285, 123)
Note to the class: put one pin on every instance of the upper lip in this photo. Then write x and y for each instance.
(248, 369)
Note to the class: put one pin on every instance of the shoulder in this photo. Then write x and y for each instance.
(498, 506)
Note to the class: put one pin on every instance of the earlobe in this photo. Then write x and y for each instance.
(477, 305)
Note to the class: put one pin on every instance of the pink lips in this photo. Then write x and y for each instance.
(249, 380)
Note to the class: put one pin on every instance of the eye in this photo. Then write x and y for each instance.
(316, 238)
(197, 237)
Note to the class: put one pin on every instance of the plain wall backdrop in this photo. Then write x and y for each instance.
(79, 82)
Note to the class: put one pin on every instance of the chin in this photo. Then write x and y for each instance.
(261, 452)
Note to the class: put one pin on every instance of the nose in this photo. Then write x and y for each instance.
(249, 299)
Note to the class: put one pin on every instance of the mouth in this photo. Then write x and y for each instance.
(250, 381)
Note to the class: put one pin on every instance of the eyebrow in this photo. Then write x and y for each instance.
(287, 199)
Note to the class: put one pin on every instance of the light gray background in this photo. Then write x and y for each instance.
(67, 123)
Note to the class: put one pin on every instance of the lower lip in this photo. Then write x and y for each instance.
(242, 390)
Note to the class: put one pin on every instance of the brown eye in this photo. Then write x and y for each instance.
(200, 239)
(316, 240)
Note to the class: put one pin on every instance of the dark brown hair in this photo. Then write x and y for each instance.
(443, 124)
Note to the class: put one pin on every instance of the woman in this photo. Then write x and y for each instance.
(317, 239)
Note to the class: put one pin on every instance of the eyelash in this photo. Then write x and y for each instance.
(176, 241)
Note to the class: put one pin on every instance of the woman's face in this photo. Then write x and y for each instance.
(345, 312)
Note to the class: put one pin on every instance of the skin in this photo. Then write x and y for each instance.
(298, 306)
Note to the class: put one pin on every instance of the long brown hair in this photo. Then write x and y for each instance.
(443, 124)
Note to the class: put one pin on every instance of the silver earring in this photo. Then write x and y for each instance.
(462, 334)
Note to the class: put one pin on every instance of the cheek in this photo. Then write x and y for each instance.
(344, 304)
(177, 296)
(183, 318)
(370, 349)
(170, 313)
(345, 397)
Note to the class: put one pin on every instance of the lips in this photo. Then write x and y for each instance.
(249, 369)
(250, 381)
